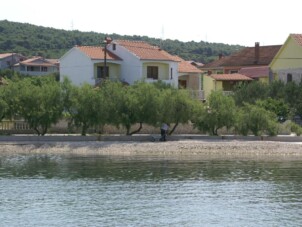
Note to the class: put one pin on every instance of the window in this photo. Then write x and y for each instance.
(233, 71)
(114, 46)
(152, 72)
(30, 68)
(289, 77)
(44, 69)
(101, 73)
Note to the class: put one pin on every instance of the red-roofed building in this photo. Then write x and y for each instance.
(189, 77)
(256, 73)
(123, 60)
(247, 57)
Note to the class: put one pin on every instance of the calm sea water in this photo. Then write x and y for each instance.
(50, 190)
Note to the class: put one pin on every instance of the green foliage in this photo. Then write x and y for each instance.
(278, 107)
(39, 102)
(295, 128)
(276, 90)
(10, 74)
(220, 113)
(176, 107)
(250, 92)
(31, 40)
(87, 107)
(255, 119)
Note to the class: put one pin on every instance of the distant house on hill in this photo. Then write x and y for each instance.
(7, 60)
(37, 66)
(120, 60)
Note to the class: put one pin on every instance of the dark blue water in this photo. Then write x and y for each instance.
(49, 190)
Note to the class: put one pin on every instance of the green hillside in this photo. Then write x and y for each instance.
(33, 40)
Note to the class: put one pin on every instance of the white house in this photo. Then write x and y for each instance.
(126, 61)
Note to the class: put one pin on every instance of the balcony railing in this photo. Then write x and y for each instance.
(228, 93)
(197, 94)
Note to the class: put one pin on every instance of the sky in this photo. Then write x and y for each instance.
(241, 22)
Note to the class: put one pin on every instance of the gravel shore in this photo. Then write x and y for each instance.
(185, 149)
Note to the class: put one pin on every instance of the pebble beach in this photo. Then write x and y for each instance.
(183, 149)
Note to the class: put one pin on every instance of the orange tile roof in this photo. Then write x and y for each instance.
(297, 38)
(144, 50)
(97, 53)
(255, 72)
(185, 66)
(232, 77)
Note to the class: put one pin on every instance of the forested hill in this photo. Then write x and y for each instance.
(32, 40)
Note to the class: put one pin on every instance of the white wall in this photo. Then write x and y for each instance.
(77, 67)
(131, 66)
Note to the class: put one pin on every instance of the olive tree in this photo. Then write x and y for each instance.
(177, 107)
(39, 102)
(256, 119)
(87, 107)
(219, 112)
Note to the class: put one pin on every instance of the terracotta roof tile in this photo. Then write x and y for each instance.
(232, 77)
(185, 66)
(297, 38)
(246, 57)
(255, 72)
(97, 53)
(144, 50)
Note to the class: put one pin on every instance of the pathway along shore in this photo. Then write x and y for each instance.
(182, 149)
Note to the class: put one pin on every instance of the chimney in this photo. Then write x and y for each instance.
(257, 52)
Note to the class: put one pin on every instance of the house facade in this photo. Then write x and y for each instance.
(7, 60)
(37, 66)
(222, 82)
(120, 60)
(287, 64)
(189, 77)
(247, 57)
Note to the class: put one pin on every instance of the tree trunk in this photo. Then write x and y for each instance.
(128, 130)
(37, 131)
(136, 131)
(84, 130)
(44, 130)
(173, 129)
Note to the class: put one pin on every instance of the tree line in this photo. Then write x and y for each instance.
(42, 101)
(31, 40)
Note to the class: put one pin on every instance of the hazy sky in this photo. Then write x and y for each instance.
(242, 22)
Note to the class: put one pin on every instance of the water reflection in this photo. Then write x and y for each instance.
(132, 169)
